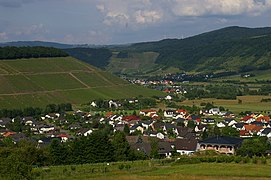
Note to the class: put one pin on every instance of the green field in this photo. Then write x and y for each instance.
(249, 103)
(156, 170)
(38, 82)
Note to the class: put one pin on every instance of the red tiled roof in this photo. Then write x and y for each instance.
(131, 118)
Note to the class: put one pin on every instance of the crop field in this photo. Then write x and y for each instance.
(38, 82)
(248, 103)
(153, 170)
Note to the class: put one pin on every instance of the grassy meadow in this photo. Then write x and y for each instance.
(40, 81)
(155, 169)
(249, 103)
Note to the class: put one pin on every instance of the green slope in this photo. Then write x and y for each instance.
(41, 81)
(237, 49)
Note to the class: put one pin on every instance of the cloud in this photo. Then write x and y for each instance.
(123, 12)
(3, 36)
(143, 17)
(220, 7)
(33, 29)
(14, 3)
(151, 11)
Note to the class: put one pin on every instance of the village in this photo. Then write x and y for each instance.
(176, 130)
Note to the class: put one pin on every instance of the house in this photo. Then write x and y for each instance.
(184, 132)
(214, 111)
(84, 132)
(157, 126)
(46, 128)
(158, 135)
(136, 127)
(147, 112)
(266, 132)
(64, 137)
(208, 121)
(248, 119)
(168, 97)
(169, 113)
(201, 128)
(4, 122)
(221, 125)
(140, 143)
(239, 126)
(119, 127)
(147, 124)
(169, 127)
(165, 149)
(230, 121)
(186, 146)
(221, 144)
(245, 134)
(46, 141)
(131, 118)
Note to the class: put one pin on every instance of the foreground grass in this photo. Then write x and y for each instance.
(153, 170)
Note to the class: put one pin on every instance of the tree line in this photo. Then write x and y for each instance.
(30, 52)
(35, 111)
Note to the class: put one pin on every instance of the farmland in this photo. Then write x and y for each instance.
(248, 103)
(41, 81)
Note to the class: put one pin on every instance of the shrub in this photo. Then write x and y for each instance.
(121, 166)
(128, 166)
(246, 159)
(73, 168)
(254, 160)
(263, 160)
(237, 159)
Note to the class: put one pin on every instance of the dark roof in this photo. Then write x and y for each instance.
(266, 131)
(239, 125)
(164, 147)
(169, 126)
(186, 144)
(257, 123)
(225, 140)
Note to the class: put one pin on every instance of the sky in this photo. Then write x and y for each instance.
(104, 22)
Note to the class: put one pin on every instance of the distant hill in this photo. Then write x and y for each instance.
(37, 82)
(236, 49)
(227, 49)
(37, 43)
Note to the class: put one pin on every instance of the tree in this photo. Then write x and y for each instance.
(230, 131)
(126, 129)
(154, 148)
(253, 147)
(121, 147)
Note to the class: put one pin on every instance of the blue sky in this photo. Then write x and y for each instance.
(124, 21)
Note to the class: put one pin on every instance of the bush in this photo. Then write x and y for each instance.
(254, 160)
(73, 168)
(237, 159)
(121, 166)
(263, 160)
(246, 159)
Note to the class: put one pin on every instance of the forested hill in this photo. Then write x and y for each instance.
(30, 52)
(231, 48)
(96, 57)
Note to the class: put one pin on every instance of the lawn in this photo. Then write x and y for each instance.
(155, 169)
